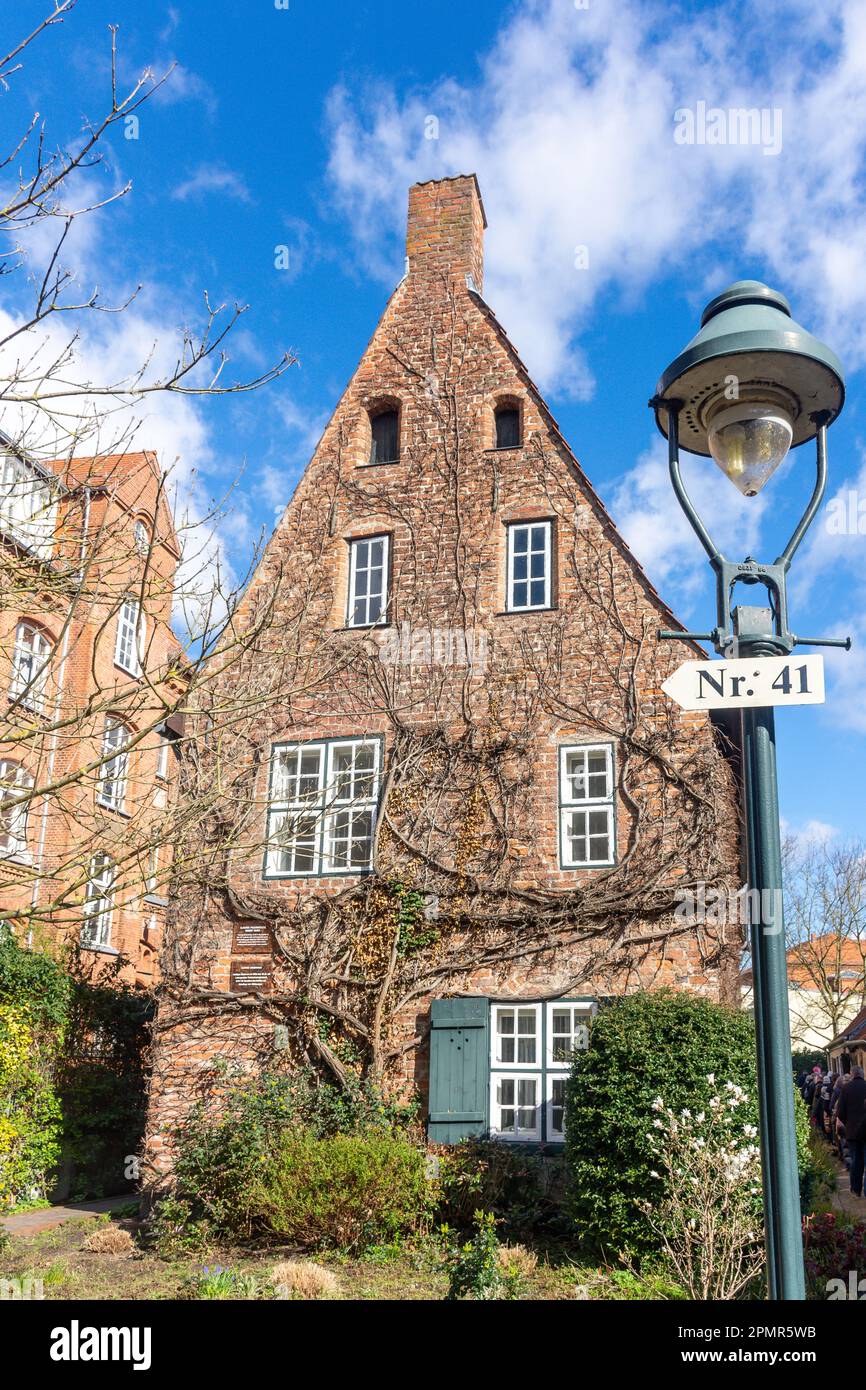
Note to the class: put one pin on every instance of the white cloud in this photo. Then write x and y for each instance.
(810, 833)
(570, 129)
(647, 514)
(212, 178)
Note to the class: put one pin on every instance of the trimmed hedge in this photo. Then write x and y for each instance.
(642, 1046)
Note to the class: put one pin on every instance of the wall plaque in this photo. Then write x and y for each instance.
(251, 937)
(247, 975)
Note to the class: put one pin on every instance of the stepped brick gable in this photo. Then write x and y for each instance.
(456, 806)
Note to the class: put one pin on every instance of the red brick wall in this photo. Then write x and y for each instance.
(570, 674)
(103, 497)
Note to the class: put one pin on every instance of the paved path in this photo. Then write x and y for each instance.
(27, 1223)
(844, 1199)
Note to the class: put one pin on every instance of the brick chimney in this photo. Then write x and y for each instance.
(446, 229)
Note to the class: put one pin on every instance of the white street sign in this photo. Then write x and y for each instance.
(748, 681)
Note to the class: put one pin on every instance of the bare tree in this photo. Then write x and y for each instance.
(102, 559)
(825, 909)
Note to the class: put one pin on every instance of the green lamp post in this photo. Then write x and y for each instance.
(751, 385)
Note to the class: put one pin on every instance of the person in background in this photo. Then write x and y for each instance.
(852, 1114)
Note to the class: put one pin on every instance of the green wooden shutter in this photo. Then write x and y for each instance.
(459, 1069)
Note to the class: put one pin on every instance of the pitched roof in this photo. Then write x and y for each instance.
(856, 1029)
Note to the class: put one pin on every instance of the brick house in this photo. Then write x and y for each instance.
(457, 812)
(89, 677)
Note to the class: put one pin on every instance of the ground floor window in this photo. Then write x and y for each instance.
(500, 1067)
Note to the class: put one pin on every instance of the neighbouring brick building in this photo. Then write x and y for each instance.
(456, 807)
(89, 678)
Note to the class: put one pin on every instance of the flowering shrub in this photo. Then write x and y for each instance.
(709, 1219)
(29, 1108)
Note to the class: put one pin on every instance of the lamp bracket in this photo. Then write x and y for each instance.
(775, 636)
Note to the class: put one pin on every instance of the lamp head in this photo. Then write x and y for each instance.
(750, 382)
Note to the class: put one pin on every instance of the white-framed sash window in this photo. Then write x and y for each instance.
(28, 505)
(322, 807)
(586, 806)
(99, 902)
(368, 581)
(31, 656)
(129, 644)
(111, 792)
(532, 1047)
(529, 566)
(14, 783)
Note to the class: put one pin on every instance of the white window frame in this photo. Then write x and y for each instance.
(14, 779)
(327, 805)
(385, 596)
(515, 1007)
(544, 1070)
(28, 505)
(141, 536)
(546, 526)
(515, 1135)
(569, 803)
(31, 659)
(98, 910)
(129, 642)
(162, 752)
(587, 1010)
(113, 771)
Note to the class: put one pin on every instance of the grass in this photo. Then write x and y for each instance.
(397, 1272)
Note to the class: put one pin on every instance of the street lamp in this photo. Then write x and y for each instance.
(751, 385)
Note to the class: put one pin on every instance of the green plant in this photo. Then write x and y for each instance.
(834, 1246)
(643, 1046)
(220, 1282)
(475, 1269)
(221, 1157)
(345, 1190)
(818, 1186)
(483, 1175)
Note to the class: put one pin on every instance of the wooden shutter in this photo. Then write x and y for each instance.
(459, 1069)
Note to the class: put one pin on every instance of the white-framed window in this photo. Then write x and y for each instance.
(14, 782)
(30, 663)
(28, 505)
(529, 566)
(322, 807)
(368, 581)
(532, 1048)
(515, 1106)
(141, 536)
(586, 806)
(112, 773)
(99, 901)
(162, 753)
(516, 1035)
(130, 637)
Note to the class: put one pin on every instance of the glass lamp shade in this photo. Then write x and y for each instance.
(748, 441)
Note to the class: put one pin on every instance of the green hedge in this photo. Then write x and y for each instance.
(642, 1046)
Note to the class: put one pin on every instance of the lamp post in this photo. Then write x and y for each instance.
(749, 386)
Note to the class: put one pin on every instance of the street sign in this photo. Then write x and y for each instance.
(748, 682)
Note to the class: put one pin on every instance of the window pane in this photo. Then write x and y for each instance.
(385, 437)
(507, 428)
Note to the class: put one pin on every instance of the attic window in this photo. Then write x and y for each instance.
(385, 442)
(507, 427)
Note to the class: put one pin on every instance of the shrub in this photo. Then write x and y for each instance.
(482, 1269)
(709, 1219)
(645, 1046)
(834, 1245)
(344, 1190)
(221, 1159)
(303, 1279)
(30, 1112)
(110, 1240)
(483, 1175)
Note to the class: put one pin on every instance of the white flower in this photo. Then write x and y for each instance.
(712, 1078)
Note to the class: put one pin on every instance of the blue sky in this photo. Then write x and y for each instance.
(303, 127)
